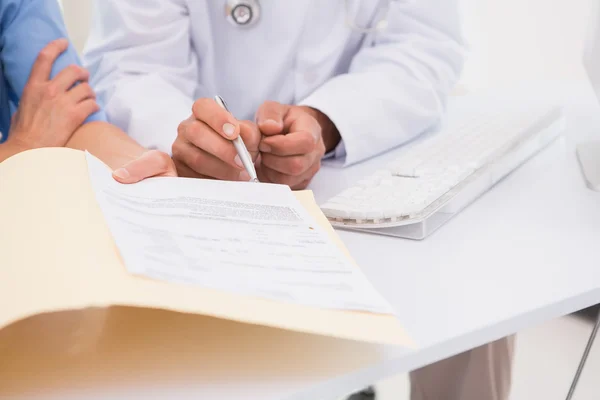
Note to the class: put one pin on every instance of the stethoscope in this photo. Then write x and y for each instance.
(246, 13)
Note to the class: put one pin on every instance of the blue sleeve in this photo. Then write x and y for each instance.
(26, 27)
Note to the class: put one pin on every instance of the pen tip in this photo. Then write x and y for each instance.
(255, 180)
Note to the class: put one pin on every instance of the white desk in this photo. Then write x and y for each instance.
(524, 253)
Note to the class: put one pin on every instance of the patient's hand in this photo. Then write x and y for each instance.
(152, 163)
(52, 109)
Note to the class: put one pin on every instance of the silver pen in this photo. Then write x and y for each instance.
(240, 147)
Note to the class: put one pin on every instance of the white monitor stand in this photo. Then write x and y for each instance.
(589, 152)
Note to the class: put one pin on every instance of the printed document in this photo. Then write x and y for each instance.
(248, 238)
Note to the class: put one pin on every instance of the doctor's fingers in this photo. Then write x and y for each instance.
(299, 119)
(186, 172)
(292, 144)
(220, 120)
(270, 116)
(40, 72)
(206, 164)
(251, 135)
(294, 182)
(204, 138)
(292, 165)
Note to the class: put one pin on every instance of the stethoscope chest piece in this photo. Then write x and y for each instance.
(242, 13)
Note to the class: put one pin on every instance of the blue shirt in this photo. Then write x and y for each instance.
(26, 27)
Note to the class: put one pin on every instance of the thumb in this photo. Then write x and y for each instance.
(152, 163)
(269, 117)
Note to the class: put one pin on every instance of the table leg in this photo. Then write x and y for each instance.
(586, 353)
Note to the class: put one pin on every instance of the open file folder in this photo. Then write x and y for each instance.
(57, 254)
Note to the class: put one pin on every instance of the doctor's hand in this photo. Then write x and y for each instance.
(295, 139)
(204, 148)
(51, 110)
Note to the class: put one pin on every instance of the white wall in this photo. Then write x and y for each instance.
(511, 41)
(78, 16)
(515, 41)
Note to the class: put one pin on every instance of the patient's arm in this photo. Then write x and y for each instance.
(107, 142)
(111, 145)
(132, 162)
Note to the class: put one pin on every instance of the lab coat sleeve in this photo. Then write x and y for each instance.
(140, 56)
(398, 82)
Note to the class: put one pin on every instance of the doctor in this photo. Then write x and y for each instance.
(305, 80)
(361, 77)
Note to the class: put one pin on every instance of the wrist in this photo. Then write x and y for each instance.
(11, 148)
(107, 142)
(16, 144)
(329, 132)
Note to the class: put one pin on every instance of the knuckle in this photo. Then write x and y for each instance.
(222, 151)
(84, 74)
(196, 161)
(200, 105)
(296, 165)
(85, 110)
(195, 129)
(321, 148)
(308, 143)
(273, 176)
(181, 152)
(76, 71)
(87, 88)
(250, 133)
(267, 174)
(161, 160)
(266, 160)
(176, 149)
(302, 185)
(84, 91)
(181, 130)
(226, 152)
(51, 90)
(56, 45)
(286, 180)
(77, 113)
(189, 129)
(73, 69)
(47, 54)
(196, 134)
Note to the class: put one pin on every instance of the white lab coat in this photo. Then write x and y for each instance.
(151, 58)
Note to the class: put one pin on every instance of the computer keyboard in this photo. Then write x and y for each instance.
(438, 175)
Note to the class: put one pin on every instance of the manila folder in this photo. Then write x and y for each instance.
(57, 254)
